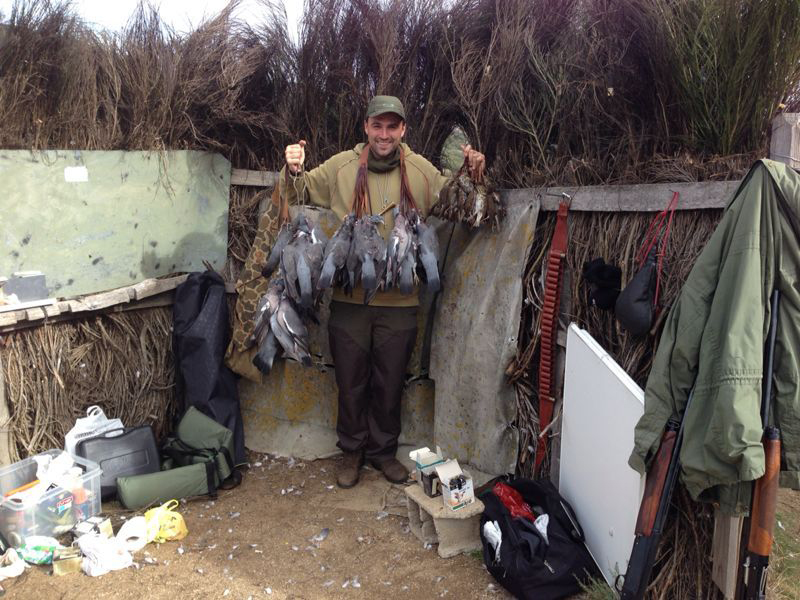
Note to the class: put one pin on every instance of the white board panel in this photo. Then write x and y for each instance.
(602, 405)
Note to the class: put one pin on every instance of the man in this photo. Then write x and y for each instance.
(371, 345)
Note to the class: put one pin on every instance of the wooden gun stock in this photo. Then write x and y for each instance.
(760, 525)
(765, 497)
(654, 484)
(762, 521)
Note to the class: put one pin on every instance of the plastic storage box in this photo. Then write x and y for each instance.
(56, 511)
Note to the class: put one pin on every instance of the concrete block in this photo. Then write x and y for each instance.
(455, 531)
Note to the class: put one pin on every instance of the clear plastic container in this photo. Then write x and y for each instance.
(53, 513)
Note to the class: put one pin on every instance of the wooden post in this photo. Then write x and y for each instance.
(785, 143)
(725, 553)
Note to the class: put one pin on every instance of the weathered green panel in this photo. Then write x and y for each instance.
(95, 220)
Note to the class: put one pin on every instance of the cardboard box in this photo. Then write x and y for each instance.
(423, 457)
(425, 474)
(456, 485)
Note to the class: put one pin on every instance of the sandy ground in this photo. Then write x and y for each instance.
(254, 542)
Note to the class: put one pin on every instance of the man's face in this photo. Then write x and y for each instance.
(384, 133)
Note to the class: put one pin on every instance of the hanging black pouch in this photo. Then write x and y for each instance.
(635, 306)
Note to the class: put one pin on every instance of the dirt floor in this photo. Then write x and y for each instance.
(256, 542)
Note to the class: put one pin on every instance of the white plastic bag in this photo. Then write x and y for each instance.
(102, 554)
(11, 565)
(94, 423)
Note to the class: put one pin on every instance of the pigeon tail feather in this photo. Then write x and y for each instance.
(304, 281)
(428, 261)
(368, 274)
(327, 273)
(266, 354)
(406, 279)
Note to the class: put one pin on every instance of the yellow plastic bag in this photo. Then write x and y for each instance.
(165, 524)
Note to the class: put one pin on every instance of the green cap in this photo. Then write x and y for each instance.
(385, 104)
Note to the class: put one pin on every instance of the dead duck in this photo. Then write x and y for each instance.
(473, 202)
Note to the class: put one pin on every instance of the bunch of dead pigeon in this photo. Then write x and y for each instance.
(357, 253)
(291, 298)
(474, 203)
(310, 264)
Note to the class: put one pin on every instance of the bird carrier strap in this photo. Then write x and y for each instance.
(281, 201)
(362, 205)
(549, 325)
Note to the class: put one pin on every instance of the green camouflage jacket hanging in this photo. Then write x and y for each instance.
(714, 338)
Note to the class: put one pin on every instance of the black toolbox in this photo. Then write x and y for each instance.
(119, 452)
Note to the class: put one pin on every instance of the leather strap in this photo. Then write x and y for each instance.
(407, 202)
(362, 204)
(549, 326)
(282, 200)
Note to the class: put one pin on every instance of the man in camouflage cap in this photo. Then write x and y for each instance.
(371, 345)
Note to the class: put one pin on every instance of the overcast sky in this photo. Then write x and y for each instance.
(181, 15)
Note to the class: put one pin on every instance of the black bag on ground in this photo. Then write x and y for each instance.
(200, 337)
(528, 567)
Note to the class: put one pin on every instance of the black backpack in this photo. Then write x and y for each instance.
(201, 332)
(528, 567)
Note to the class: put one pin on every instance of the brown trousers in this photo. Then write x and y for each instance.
(371, 346)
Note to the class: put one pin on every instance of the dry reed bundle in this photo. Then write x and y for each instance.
(146, 88)
(121, 362)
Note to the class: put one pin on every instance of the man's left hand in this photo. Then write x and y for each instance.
(476, 162)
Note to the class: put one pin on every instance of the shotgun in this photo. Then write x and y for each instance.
(658, 488)
(759, 526)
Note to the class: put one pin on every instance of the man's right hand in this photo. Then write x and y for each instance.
(295, 156)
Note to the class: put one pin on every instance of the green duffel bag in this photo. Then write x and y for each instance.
(197, 460)
(199, 438)
(139, 491)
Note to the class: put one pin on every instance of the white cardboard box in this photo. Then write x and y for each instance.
(423, 457)
(452, 497)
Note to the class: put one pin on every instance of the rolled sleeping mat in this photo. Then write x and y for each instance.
(138, 491)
